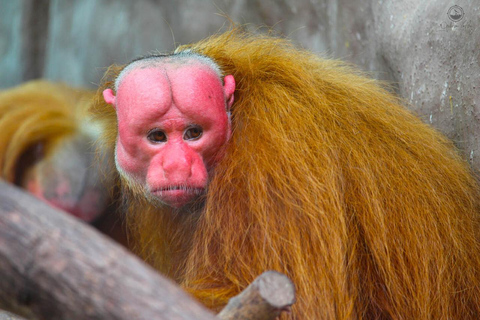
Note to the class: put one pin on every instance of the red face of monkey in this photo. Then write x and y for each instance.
(172, 126)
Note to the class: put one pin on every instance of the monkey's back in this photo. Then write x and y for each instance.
(327, 178)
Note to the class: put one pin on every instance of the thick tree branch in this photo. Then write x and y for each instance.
(55, 267)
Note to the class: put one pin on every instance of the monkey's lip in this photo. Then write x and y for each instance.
(177, 196)
(178, 189)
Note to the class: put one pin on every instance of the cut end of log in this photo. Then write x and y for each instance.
(264, 299)
(277, 289)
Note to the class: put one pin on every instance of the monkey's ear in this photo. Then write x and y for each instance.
(109, 97)
(229, 87)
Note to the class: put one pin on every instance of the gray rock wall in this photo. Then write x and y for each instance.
(432, 61)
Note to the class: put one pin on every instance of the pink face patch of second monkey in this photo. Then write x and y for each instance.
(172, 127)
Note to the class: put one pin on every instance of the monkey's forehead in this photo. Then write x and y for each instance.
(155, 89)
(175, 60)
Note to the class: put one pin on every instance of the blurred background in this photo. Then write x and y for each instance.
(429, 51)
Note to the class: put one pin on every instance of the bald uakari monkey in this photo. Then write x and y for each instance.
(47, 148)
(242, 153)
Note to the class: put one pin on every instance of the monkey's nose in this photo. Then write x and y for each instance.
(177, 162)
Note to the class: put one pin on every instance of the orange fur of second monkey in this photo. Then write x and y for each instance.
(37, 113)
(328, 179)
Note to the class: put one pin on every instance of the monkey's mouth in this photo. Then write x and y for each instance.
(177, 196)
(187, 189)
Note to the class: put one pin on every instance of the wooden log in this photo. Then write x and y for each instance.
(264, 299)
(52, 266)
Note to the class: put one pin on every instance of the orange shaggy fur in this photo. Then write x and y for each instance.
(37, 113)
(328, 179)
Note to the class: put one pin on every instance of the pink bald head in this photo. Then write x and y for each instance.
(173, 124)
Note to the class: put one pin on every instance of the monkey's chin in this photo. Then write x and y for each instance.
(177, 197)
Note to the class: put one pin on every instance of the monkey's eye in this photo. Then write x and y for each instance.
(193, 133)
(157, 136)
